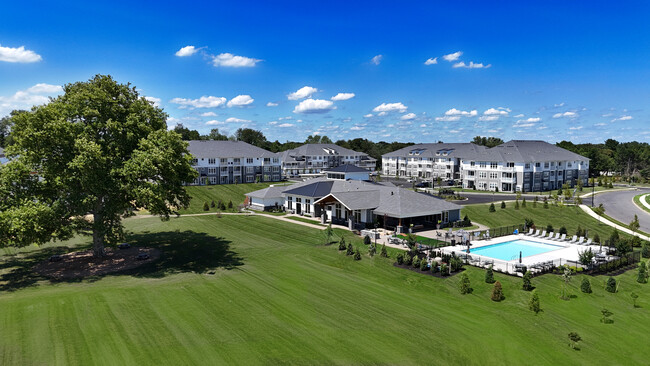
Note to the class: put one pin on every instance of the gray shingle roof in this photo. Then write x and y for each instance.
(227, 149)
(456, 150)
(527, 151)
(347, 168)
(318, 149)
(316, 189)
(268, 192)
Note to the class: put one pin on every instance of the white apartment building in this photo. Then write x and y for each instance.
(317, 158)
(228, 162)
(439, 160)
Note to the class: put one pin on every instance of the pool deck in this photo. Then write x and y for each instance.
(564, 253)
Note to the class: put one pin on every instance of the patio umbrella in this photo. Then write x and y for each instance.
(520, 256)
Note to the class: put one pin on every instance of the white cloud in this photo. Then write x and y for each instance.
(456, 112)
(154, 100)
(452, 56)
(230, 60)
(271, 104)
(314, 106)
(377, 59)
(519, 115)
(600, 124)
(342, 96)
(368, 115)
(356, 128)
(495, 112)
(214, 122)
(431, 61)
(284, 118)
(240, 101)
(559, 105)
(448, 119)
(576, 128)
(186, 51)
(203, 102)
(408, 117)
(567, 114)
(622, 118)
(208, 114)
(18, 55)
(304, 92)
(423, 125)
(285, 125)
(471, 65)
(25, 99)
(390, 107)
(236, 120)
(488, 118)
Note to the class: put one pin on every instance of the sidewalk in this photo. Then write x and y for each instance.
(591, 213)
(644, 202)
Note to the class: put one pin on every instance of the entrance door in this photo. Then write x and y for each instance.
(298, 208)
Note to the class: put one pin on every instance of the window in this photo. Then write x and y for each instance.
(493, 186)
(337, 212)
(212, 171)
(212, 161)
(472, 163)
(224, 179)
(267, 160)
(510, 165)
(482, 174)
(224, 169)
(290, 203)
(537, 165)
(357, 215)
(506, 175)
(494, 175)
(249, 160)
(276, 169)
(223, 160)
(568, 165)
(213, 180)
(481, 164)
(307, 206)
(195, 161)
(494, 165)
(527, 166)
(470, 173)
(237, 160)
(546, 165)
(250, 169)
(276, 160)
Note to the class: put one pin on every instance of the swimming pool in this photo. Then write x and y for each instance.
(509, 250)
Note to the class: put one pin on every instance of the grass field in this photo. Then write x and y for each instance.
(637, 201)
(255, 290)
(223, 192)
(305, 220)
(558, 216)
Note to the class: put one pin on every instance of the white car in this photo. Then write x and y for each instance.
(411, 180)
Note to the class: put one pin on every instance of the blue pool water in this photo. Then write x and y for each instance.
(509, 250)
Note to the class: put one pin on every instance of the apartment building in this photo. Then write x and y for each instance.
(523, 165)
(441, 160)
(317, 158)
(228, 162)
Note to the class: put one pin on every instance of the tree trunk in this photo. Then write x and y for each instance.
(98, 236)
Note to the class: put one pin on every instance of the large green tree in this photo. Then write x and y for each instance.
(86, 160)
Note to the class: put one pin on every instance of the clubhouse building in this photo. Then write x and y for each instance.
(346, 196)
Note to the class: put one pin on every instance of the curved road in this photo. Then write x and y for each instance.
(620, 206)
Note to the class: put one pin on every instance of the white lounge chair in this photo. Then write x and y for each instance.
(530, 232)
(557, 236)
(543, 234)
(536, 233)
(581, 240)
(550, 235)
(588, 242)
(574, 239)
(563, 237)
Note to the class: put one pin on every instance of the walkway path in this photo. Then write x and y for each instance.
(591, 213)
(644, 201)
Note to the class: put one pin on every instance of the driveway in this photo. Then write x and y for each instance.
(620, 206)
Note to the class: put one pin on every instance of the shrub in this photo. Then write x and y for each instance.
(222, 206)
(645, 250)
(579, 231)
(444, 270)
(416, 262)
(434, 266)
(357, 255)
(614, 238)
(366, 240)
(489, 275)
(464, 285)
(492, 209)
(342, 245)
(529, 222)
(516, 204)
(585, 257)
(596, 238)
(533, 303)
(523, 202)
(206, 207)
(574, 338)
(642, 276)
(585, 286)
(611, 285)
(563, 230)
(497, 292)
(424, 266)
(549, 228)
(350, 250)
(503, 204)
(456, 264)
(527, 284)
(467, 221)
(212, 204)
(408, 260)
(230, 205)
(623, 247)
(400, 259)
(545, 202)
(383, 252)
(606, 316)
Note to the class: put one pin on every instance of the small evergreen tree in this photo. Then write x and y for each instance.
(230, 205)
(400, 258)
(503, 204)
(222, 206)
(611, 285)
(614, 238)
(523, 202)
(596, 238)
(408, 260)
(634, 296)
(384, 252)
(350, 250)
(566, 278)
(642, 276)
(464, 285)
(563, 230)
(492, 209)
(574, 338)
(533, 303)
(516, 204)
(497, 292)
(527, 284)
(342, 245)
(585, 286)
(634, 225)
(366, 240)
(416, 262)
(489, 275)
(549, 228)
(545, 202)
(424, 266)
(372, 250)
(357, 255)
(206, 206)
(212, 204)
(444, 269)
(645, 250)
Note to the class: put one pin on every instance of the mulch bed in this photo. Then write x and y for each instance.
(83, 264)
(428, 273)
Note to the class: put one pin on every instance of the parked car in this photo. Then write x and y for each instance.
(422, 185)
(411, 180)
(143, 256)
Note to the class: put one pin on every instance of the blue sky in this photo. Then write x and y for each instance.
(553, 70)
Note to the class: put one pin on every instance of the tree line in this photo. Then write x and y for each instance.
(627, 159)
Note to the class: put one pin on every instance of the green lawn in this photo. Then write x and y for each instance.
(558, 216)
(306, 220)
(637, 201)
(223, 192)
(255, 290)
